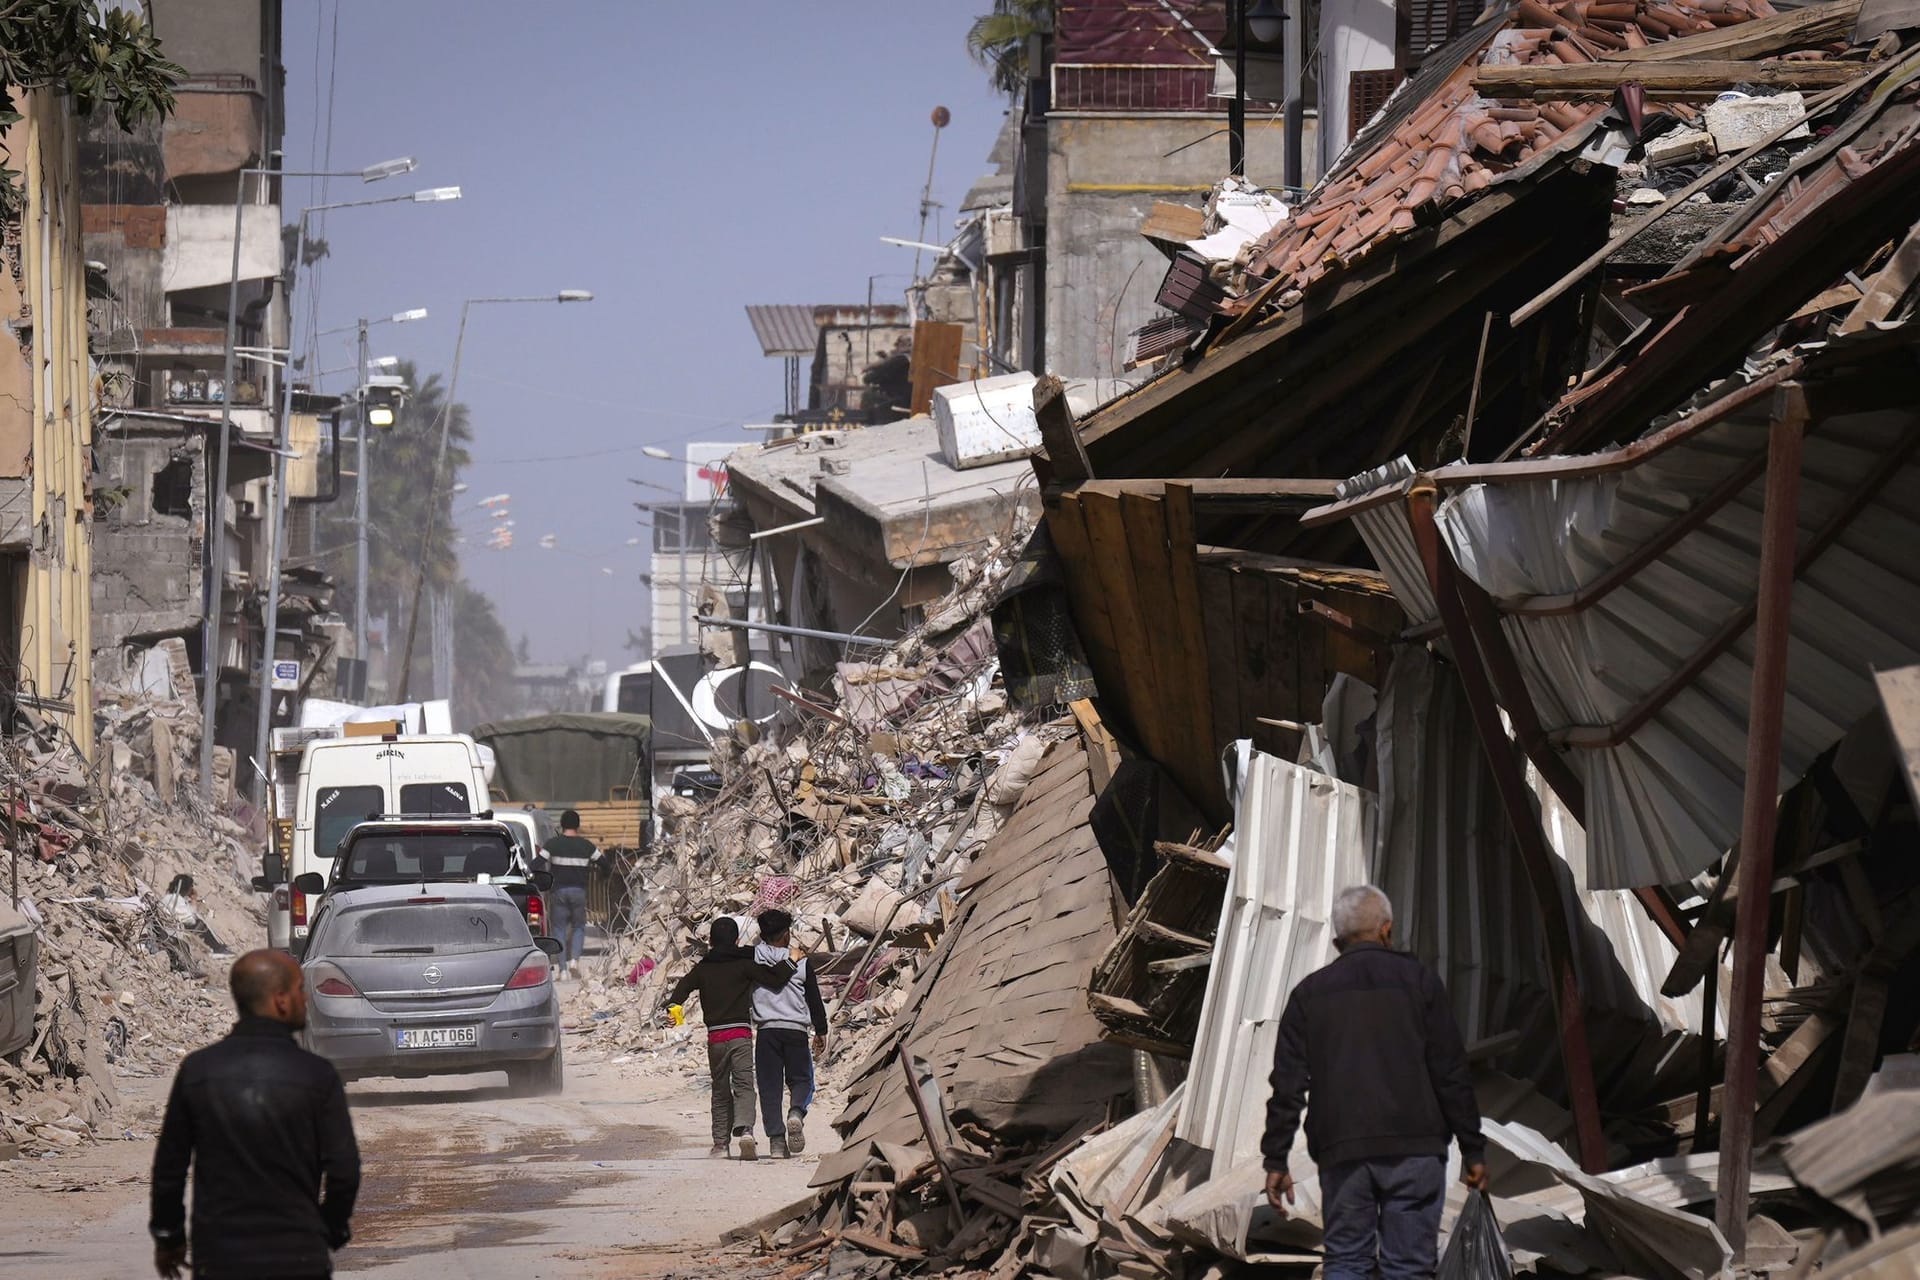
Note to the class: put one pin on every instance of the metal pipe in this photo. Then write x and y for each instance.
(1295, 108)
(1237, 105)
(1759, 816)
(806, 633)
(786, 528)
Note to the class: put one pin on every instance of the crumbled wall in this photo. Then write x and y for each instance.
(148, 538)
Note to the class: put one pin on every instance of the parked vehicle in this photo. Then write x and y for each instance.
(343, 780)
(532, 827)
(19, 963)
(432, 979)
(595, 763)
(401, 849)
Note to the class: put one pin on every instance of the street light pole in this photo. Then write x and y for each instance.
(360, 517)
(276, 483)
(212, 589)
(439, 461)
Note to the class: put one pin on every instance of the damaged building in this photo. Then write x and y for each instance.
(1516, 523)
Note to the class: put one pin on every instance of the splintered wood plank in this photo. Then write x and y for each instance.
(1204, 741)
(1113, 562)
(1092, 617)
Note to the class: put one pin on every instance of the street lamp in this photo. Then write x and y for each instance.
(440, 459)
(362, 465)
(216, 545)
(263, 722)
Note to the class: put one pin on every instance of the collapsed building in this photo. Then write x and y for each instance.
(1517, 525)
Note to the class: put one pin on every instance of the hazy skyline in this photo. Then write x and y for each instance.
(677, 168)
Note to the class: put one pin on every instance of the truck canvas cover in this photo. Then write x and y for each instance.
(570, 757)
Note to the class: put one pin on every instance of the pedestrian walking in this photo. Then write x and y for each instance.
(781, 1019)
(725, 979)
(571, 858)
(1369, 1046)
(263, 1124)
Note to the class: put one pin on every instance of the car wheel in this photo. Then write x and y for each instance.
(538, 1079)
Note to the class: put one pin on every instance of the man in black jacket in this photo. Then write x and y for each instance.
(1373, 1039)
(262, 1122)
(726, 978)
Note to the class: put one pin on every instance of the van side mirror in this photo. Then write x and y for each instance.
(310, 884)
(549, 947)
(543, 880)
(262, 884)
(273, 867)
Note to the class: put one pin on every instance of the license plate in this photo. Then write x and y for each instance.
(437, 1037)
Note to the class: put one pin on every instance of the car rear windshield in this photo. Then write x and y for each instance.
(419, 928)
(425, 855)
(337, 810)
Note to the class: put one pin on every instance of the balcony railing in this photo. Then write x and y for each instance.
(1124, 87)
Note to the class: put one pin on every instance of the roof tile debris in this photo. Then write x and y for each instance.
(1456, 143)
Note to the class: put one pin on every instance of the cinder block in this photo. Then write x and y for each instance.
(1739, 123)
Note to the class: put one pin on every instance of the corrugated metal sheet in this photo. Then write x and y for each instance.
(784, 329)
(1299, 838)
(1663, 805)
(1666, 803)
(1446, 858)
(1389, 537)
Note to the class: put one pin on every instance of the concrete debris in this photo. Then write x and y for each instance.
(124, 988)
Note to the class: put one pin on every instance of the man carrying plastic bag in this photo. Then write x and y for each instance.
(1372, 1040)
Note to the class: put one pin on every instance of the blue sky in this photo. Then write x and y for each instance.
(681, 161)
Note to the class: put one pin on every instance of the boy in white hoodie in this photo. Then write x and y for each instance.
(782, 1017)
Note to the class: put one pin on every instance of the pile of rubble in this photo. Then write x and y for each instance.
(122, 986)
(859, 821)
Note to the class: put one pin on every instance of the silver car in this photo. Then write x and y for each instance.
(432, 979)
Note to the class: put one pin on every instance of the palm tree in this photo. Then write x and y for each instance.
(998, 40)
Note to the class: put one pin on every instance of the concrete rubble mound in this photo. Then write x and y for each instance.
(123, 987)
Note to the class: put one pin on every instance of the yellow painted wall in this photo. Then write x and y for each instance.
(55, 601)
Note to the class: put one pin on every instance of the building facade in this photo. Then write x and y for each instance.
(46, 427)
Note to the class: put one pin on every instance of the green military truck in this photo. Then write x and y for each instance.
(595, 762)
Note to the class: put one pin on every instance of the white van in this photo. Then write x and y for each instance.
(345, 780)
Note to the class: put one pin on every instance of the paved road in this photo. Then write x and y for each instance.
(462, 1183)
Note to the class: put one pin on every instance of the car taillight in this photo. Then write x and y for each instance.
(299, 907)
(536, 910)
(335, 987)
(528, 975)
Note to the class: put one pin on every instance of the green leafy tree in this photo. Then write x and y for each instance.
(482, 661)
(998, 40)
(97, 55)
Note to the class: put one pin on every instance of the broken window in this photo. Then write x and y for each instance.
(173, 488)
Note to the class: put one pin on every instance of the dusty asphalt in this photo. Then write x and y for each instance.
(462, 1182)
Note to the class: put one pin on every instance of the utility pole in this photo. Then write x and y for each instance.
(360, 515)
(1237, 105)
(217, 539)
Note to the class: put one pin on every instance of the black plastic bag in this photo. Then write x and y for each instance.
(1475, 1250)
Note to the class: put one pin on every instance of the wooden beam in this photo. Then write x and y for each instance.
(1766, 703)
(1691, 79)
(1058, 433)
(1795, 29)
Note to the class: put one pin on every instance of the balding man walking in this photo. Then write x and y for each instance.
(263, 1123)
(1369, 1046)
